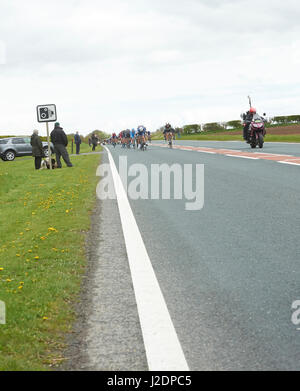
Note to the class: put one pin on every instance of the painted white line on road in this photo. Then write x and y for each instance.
(163, 349)
(213, 153)
(243, 157)
(272, 154)
(230, 150)
(293, 164)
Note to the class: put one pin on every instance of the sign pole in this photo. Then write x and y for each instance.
(49, 149)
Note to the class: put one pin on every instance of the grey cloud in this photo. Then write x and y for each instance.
(127, 55)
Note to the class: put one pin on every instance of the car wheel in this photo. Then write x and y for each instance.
(9, 156)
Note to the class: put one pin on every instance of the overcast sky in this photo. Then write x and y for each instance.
(116, 64)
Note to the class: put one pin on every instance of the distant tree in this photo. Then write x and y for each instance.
(234, 124)
(99, 133)
(188, 129)
(212, 126)
(294, 118)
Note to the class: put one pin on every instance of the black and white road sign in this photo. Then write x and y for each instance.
(46, 113)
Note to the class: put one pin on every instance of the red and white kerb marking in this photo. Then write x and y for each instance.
(285, 159)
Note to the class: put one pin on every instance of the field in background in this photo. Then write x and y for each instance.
(44, 217)
(289, 133)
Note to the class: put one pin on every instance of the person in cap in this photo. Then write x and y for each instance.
(60, 142)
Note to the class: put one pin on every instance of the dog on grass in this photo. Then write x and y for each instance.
(46, 164)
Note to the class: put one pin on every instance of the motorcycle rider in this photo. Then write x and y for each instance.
(247, 118)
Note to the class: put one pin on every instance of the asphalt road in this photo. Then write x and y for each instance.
(269, 147)
(231, 271)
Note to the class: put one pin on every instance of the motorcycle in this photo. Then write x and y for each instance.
(257, 131)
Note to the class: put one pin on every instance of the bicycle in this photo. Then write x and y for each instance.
(170, 139)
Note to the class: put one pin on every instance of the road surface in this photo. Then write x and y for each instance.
(229, 272)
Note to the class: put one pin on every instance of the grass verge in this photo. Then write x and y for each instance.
(84, 148)
(290, 138)
(44, 216)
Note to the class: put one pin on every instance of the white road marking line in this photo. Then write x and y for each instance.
(163, 349)
(230, 150)
(272, 154)
(244, 157)
(293, 164)
(213, 153)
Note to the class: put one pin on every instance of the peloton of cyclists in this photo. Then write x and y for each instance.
(132, 137)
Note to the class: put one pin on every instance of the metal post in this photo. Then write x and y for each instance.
(49, 148)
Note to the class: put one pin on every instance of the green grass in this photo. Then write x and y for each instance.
(83, 148)
(209, 136)
(44, 216)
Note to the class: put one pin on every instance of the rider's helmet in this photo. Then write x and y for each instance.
(252, 110)
(141, 128)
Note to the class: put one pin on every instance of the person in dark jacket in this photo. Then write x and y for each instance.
(247, 121)
(37, 149)
(77, 140)
(60, 142)
(94, 140)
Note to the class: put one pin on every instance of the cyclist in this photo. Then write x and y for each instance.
(149, 136)
(114, 139)
(122, 137)
(132, 135)
(141, 131)
(128, 137)
(169, 133)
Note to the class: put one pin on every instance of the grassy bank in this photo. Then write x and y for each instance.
(208, 136)
(44, 216)
(83, 148)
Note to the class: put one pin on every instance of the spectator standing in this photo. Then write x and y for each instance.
(94, 141)
(77, 140)
(60, 142)
(37, 149)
